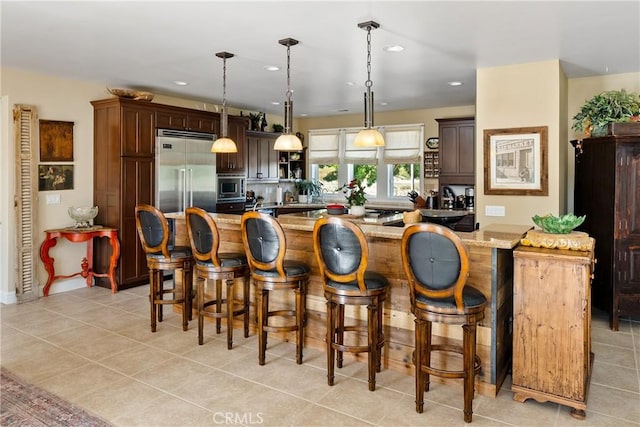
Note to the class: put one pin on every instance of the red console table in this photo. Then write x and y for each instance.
(79, 235)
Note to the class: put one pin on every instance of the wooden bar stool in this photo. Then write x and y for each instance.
(153, 231)
(342, 253)
(436, 264)
(265, 245)
(218, 266)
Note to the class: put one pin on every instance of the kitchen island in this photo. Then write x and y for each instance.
(491, 272)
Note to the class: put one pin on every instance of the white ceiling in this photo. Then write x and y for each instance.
(147, 45)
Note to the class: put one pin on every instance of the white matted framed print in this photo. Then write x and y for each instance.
(515, 161)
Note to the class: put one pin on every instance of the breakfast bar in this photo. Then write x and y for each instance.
(491, 272)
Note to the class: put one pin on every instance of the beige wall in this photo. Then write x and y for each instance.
(516, 96)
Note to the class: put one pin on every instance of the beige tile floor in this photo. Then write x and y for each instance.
(96, 350)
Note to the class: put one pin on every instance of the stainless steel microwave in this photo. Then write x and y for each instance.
(231, 188)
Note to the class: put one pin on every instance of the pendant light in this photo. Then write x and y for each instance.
(224, 144)
(288, 141)
(368, 137)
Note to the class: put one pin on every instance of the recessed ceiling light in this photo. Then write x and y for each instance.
(350, 84)
(180, 83)
(384, 103)
(454, 83)
(393, 48)
(271, 68)
(275, 103)
(303, 115)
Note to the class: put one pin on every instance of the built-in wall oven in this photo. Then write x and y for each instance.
(231, 188)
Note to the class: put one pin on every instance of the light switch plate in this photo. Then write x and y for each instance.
(494, 210)
(53, 199)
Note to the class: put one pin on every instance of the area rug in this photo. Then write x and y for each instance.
(25, 405)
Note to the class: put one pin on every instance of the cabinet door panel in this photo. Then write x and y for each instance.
(466, 147)
(449, 150)
(234, 162)
(137, 176)
(138, 131)
(209, 123)
(169, 119)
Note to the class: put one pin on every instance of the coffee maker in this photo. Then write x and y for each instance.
(469, 198)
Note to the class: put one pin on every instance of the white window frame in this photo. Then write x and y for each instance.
(384, 182)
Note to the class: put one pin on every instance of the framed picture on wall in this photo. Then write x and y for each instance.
(55, 177)
(56, 141)
(515, 161)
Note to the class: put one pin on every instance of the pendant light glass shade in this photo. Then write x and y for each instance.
(288, 141)
(368, 137)
(224, 144)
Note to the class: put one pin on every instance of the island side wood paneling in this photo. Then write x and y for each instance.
(491, 272)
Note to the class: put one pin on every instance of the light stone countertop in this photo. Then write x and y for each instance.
(501, 236)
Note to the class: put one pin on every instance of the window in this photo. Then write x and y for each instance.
(388, 172)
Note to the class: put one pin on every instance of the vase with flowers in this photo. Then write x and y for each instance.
(355, 194)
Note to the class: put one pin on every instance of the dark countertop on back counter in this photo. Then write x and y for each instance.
(501, 236)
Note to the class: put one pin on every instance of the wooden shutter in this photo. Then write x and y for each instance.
(25, 124)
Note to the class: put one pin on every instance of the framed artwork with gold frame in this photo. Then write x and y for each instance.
(56, 141)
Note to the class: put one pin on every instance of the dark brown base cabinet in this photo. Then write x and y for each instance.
(124, 173)
(607, 191)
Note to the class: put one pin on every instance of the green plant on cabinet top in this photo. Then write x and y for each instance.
(615, 106)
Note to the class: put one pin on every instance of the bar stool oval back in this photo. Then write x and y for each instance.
(218, 266)
(436, 264)
(265, 245)
(342, 253)
(153, 231)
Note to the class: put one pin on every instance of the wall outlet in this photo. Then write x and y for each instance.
(53, 199)
(494, 210)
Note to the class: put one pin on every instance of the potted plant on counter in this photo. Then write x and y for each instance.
(614, 106)
(355, 194)
(307, 189)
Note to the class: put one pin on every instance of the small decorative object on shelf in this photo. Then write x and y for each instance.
(82, 215)
(136, 95)
(255, 119)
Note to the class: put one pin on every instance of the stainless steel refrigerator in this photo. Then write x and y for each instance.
(185, 171)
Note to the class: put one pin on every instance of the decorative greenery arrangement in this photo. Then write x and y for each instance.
(613, 106)
(308, 187)
(354, 192)
(278, 128)
(558, 224)
(255, 120)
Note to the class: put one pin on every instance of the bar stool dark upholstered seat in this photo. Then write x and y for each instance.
(342, 253)
(218, 266)
(153, 231)
(265, 245)
(436, 264)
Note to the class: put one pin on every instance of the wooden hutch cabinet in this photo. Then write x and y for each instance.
(457, 151)
(607, 191)
(234, 162)
(123, 150)
(552, 358)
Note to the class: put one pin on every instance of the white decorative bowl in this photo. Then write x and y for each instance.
(82, 215)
